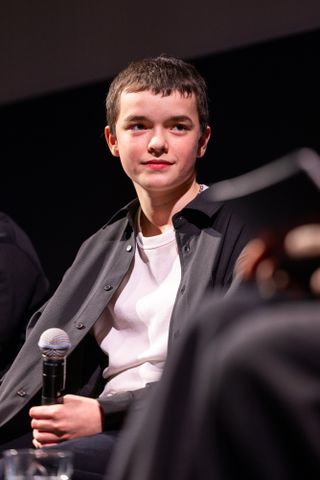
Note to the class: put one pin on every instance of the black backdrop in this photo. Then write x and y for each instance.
(59, 182)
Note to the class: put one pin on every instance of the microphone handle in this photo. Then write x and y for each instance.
(53, 381)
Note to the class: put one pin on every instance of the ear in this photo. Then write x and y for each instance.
(203, 142)
(111, 141)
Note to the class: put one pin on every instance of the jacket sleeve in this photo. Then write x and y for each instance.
(115, 408)
(234, 238)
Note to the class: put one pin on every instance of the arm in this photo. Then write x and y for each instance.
(115, 408)
(80, 416)
(76, 417)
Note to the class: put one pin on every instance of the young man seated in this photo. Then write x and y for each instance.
(127, 297)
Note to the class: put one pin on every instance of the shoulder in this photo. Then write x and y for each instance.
(210, 211)
(205, 212)
(118, 226)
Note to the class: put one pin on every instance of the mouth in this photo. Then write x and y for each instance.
(157, 164)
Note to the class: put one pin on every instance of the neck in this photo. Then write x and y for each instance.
(158, 208)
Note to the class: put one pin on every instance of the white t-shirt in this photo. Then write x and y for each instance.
(133, 329)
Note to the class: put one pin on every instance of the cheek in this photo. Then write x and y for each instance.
(127, 166)
(188, 151)
(130, 147)
(130, 155)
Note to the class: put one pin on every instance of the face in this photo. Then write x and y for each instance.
(158, 139)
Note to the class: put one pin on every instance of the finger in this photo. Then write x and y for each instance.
(68, 398)
(45, 425)
(47, 411)
(45, 438)
(36, 444)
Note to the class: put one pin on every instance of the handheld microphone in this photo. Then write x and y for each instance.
(54, 345)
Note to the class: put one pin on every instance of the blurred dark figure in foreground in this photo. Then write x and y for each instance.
(23, 287)
(243, 390)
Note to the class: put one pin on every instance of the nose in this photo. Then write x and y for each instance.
(158, 145)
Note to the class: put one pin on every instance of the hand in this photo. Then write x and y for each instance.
(76, 417)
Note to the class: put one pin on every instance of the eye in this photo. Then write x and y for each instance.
(180, 127)
(137, 127)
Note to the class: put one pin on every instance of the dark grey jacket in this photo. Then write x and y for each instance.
(209, 240)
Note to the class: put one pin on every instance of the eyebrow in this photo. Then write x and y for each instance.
(174, 118)
(135, 118)
(181, 118)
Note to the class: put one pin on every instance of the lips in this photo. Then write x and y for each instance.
(157, 162)
(157, 165)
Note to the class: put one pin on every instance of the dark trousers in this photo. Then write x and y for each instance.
(91, 454)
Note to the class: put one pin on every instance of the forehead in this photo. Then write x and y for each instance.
(148, 104)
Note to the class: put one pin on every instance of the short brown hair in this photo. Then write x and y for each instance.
(163, 74)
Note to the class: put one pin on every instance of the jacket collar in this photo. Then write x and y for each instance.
(202, 204)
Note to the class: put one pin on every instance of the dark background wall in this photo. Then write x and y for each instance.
(49, 46)
(59, 182)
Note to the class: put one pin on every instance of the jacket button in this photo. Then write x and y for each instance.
(107, 288)
(21, 393)
(129, 248)
(182, 289)
(80, 325)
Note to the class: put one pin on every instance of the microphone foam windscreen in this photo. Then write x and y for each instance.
(54, 343)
